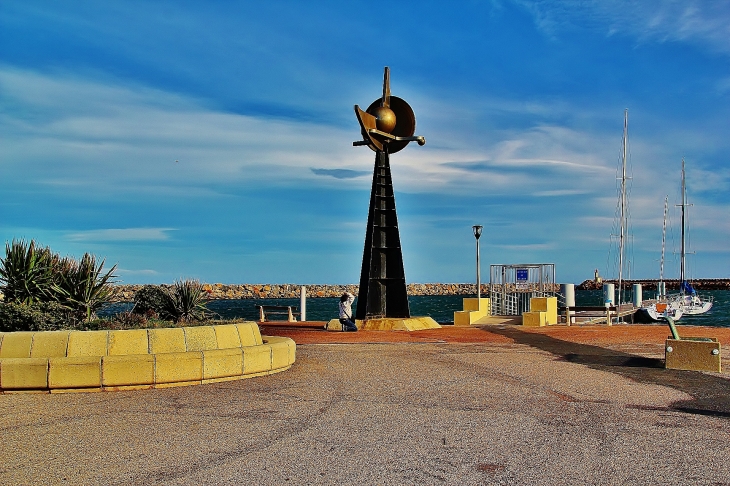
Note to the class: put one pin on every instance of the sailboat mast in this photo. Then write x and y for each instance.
(664, 240)
(682, 252)
(622, 230)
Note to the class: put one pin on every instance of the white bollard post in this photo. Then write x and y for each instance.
(608, 296)
(638, 297)
(303, 303)
(609, 290)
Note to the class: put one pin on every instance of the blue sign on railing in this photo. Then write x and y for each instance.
(522, 274)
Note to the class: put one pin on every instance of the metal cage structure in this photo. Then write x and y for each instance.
(512, 286)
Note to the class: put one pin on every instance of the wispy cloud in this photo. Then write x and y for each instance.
(560, 192)
(123, 234)
(340, 173)
(696, 21)
(143, 272)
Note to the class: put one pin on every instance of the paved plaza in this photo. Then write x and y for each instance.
(516, 407)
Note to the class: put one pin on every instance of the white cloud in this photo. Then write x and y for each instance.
(122, 234)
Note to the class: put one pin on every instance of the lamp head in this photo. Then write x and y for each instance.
(477, 231)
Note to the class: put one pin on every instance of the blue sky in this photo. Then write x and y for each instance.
(213, 140)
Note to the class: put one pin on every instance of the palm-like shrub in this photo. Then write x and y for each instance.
(82, 287)
(26, 272)
(185, 301)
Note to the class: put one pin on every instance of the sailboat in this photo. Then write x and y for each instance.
(690, 302)
(661, 308)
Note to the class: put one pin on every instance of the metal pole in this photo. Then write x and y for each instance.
(479, 274)
(303, 302)
(477, 233)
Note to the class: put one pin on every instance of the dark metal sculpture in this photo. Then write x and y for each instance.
(387, 126)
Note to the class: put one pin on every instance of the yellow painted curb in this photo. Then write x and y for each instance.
(68, 361)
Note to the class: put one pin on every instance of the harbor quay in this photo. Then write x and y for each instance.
(491, 404)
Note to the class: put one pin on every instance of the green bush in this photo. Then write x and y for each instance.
(149, 301)
(37, 316)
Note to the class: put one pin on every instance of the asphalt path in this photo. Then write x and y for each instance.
(530, 410)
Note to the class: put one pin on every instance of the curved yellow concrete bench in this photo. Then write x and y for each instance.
(65, 361)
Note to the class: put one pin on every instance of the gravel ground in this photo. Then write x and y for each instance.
(523, 408)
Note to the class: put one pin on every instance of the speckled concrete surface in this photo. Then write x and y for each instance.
(524, 409)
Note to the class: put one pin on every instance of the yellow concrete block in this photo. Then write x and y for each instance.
(128, 370)
(170, 340)
(49, 344)
(249, 333)
(16, 345)
(474, 304)
(2, 334)
(549, 305)
(461, 318)
(421, 323)
(77, 372)
(256, 333)
(221, 363)
(282, 351)
(87, 343)
(200, 338)
(227, 336)
(179, 367)
(467, 318)
(23, 373)
(256, 359)
(134, 341)
(334, 325)
(533, 319)
(694, 354)
(384, 324)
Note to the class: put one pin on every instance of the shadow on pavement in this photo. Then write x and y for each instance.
(711, 393)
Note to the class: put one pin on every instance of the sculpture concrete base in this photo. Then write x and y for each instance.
(389, 324)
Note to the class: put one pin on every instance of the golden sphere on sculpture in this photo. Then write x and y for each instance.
(384, 119)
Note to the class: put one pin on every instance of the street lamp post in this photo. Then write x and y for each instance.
(477, 233)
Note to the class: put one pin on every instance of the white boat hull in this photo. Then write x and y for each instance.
(693, 305)
(659, 311)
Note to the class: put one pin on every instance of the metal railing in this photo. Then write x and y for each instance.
(512, 286)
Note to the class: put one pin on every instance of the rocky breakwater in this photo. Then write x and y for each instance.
(125, 293)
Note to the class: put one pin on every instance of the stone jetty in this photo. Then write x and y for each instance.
(125, 293)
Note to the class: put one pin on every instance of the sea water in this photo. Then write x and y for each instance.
(441, 307)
